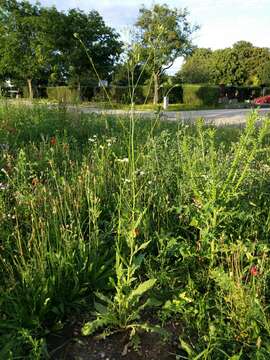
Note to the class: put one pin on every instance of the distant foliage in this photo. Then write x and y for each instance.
(63, 94)
(37, 45)
(242, 64)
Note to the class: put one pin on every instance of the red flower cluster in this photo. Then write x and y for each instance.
(254, 271)
(53, 140)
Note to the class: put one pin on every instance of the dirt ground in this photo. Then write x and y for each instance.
(70, 345)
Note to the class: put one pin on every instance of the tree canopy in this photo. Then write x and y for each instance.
(100, 41)
(26, 41)
(241, 64)
(38, 43)
(196, 68)
(164, 34)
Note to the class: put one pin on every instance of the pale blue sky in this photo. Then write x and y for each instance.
(223, 22)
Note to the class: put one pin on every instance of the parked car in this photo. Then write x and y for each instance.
(262, 100)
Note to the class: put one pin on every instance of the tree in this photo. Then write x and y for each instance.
(264, 73)
(241, 64)
(100, 41)
(26, 47)
(197, 68)
(164, 35)
(38, 43)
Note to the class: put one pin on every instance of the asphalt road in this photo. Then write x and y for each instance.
(216, 117)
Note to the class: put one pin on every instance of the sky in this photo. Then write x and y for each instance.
(222, 22)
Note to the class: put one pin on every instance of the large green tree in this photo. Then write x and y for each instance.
(164, 34)
(38, 43)
(26, 41)
(93, 38)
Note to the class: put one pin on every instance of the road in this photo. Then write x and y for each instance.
(216, 117)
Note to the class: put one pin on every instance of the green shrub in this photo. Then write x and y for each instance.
(63, 94)
(122, 94)
(200, 94)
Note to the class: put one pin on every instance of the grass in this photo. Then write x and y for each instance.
(130, 219)
(139, 107)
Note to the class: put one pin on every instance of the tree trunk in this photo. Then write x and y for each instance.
(156, 88)
(30, 88)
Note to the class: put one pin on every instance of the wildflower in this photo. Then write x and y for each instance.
(35, 181)
(92, 140)
(3, 186)
(124, 160)
(140, 173)
(136, 232)
(197, 203)
(53, 140)
(254, 271)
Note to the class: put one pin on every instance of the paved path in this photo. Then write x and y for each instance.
(216, 117)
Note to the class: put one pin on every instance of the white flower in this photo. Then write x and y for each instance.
(3, 186)
(124, 160)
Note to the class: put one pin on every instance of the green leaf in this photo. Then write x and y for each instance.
(88, 328)
(103, 298)
(186, 347)
(194, 222)
(143, 246)
(92, 326)
(137, 261)
(150, 302)
(142, 288)
(101, 309)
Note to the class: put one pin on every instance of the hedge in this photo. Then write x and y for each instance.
(121, 94)
(63, 94)
(200, 94)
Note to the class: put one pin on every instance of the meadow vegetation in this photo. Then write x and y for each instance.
(133, 224)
